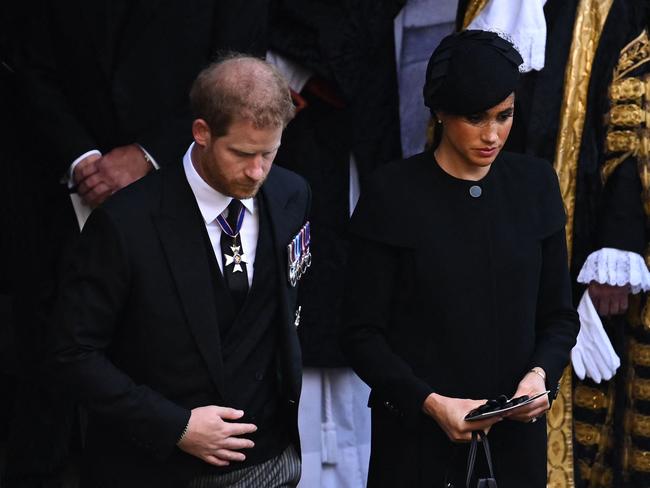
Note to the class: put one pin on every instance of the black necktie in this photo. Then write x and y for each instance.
(234, 259)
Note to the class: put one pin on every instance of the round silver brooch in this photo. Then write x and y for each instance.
(475, 191)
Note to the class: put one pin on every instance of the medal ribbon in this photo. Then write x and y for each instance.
(225, 226)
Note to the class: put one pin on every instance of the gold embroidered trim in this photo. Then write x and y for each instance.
(587, 434)
(640, 354)
(643, 167)
(628, 115)
(591, 398)
(587, 28)
(633, 115)
(640, 425)
(598, 475)
(628, 89)
(628, 141)
(610, 166)
(473, 9)
(644, 173)
(585, 470)
(560, 436)
(590, 19)
(640, 460)
(635, 54)
(641, 389)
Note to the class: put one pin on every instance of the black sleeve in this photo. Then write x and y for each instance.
(557, 322)
(64, 137)
(621, 223)
(93, 294)
(370, 293)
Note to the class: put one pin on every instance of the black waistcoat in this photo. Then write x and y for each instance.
(250, 348)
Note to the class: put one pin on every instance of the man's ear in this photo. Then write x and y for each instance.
(201, 132)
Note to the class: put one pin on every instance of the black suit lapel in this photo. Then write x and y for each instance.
(179, 226)
(286, 216)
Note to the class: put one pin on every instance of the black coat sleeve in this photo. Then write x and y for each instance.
(369, 297)
(621, 222)
(94, 292)
(54, 119)
(557, 322)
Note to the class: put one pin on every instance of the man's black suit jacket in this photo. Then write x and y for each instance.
(139, 338)
(107, 73)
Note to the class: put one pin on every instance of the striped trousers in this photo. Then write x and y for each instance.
(282, 471)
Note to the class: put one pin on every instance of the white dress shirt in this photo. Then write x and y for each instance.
(212, 204)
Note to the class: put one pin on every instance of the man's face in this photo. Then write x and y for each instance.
(237, 163)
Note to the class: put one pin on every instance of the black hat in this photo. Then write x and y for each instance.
(470, 72)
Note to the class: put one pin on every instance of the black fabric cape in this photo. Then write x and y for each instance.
(461, 296)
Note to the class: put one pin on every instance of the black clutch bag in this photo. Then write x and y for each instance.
(501, 405)
(490, 482)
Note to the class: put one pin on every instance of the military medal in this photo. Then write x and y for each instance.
(299, 255)
(293, 256)
(296, 322)
(306, 240)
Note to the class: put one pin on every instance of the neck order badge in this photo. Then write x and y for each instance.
(231, 228)
(234, 260)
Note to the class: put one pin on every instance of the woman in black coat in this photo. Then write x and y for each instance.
(458, 287)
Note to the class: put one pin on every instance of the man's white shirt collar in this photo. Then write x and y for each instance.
(211, 202)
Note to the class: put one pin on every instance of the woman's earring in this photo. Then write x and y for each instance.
(439, 121)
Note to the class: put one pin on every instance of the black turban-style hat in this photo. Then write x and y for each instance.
(470, 72)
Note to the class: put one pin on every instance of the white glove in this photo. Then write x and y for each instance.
(593, 354)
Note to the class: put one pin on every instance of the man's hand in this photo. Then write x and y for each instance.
(213, 440)
(531, 384)
(450, 413)
(608, 299)
(86, 167)
(100, 177)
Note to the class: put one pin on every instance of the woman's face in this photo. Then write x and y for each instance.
(472, 142)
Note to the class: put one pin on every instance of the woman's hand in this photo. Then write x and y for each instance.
(530, 385)
(450, 413)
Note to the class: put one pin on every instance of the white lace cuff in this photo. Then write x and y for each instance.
(614, 267)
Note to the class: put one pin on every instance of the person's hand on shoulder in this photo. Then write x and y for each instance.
(209, 437)
(84, 174)
(103, 176)
(450, 414)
